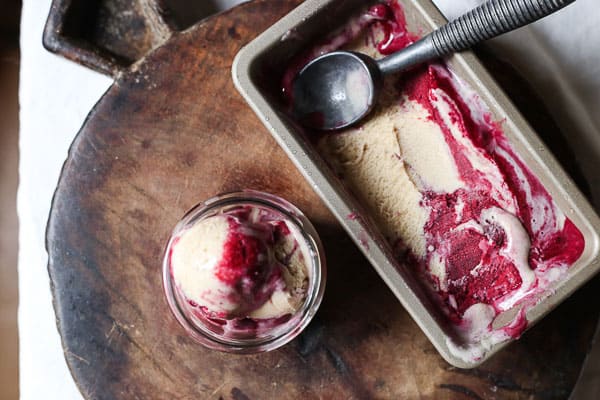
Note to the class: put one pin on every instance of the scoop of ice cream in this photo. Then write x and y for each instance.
(238, 265)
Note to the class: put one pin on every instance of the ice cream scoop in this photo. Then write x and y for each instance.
(243, 272)
(228, 266)
(339, 88)
(224, 265)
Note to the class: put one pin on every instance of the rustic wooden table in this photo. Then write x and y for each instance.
(172, 131)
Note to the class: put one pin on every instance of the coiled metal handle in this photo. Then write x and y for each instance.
(491, 19)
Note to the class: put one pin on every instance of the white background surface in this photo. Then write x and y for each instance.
(559, 55)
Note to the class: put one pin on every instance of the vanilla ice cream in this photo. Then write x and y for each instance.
(241, 264)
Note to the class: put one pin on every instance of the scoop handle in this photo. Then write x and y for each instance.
(490, 19)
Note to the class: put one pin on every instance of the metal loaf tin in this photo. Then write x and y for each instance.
(255, 72)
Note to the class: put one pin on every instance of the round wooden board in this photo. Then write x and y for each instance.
(173, 131)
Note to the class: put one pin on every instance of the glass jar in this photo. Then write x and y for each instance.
(244, 333)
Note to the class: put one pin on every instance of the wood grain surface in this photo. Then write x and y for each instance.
(173, 131)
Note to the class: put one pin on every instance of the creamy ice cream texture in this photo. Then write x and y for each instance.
(241, 264)
(447, 190)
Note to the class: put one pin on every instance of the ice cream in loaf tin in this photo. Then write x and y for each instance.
(456, 203)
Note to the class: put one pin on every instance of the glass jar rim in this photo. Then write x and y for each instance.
(316, 287)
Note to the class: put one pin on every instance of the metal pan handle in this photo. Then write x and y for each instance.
(106, 36)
